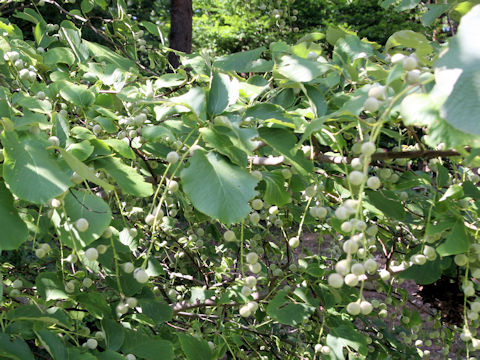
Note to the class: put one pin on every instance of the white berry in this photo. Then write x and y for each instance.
(368, 148)
(354, 308)
(141, 276)
(131, 302)
(374, 182)
(371, 104)
(229, 235)
(335, 280)
(128, 267)
(91, 254)
(294, 242)
(410, 63)
(82, 224)
(92, 344)
(173, 157)
(356, 178)
(252, 258)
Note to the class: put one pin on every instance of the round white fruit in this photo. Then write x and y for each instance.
(351, 280)
(342, 267)
(17, 284)
(131, 302)
(91, 254)
(371, 104)
(374, 182)
(245, 311)
(141, 276)
(252, 258)
(366, 307)
(128, 267)
(410, 63)
(335, 280)
(251, 281)
(294, 242)
(255, 268)
(229, 235)
(82, 224)
(257, 204)
(358, 269)
(92, 344)
(354, 308)
(173, 157)
(356, 178)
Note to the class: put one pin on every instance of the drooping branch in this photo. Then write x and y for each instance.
(86, 22)
(388, 155)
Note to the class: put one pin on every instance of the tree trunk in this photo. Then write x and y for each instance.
(180, 37)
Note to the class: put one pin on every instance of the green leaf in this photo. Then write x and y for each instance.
(169, 80)
(102, 53)
(81, 150)
(428, 273)
(407, 5)
(87, 6)
(286, 312)
(217, 188)
(284, 141)
(129, 180)
(298, 69)
(17, 230)
(419, 110)
(471, 190)
(32, 103)
(83, 204)
(194, 100)
(107, 355)
(457, 242)
(265, 111)
(50, 287)
(410, 39)
(454, 192)
(114, 334)
(218, 94)
(223, 145)
(152, 28)
(346, 336)
(59, 55)
(95, 303)
(50, 316)
(352, 48)
(433, 13)
(389, 204)
(78, 95)
(53, 344)
(16, 349)
(195, 349)
(156, 310)
(83, 170)
(317, 100)
(246, 61)
(121, 147)
(275, 191)
(337, 32)
(148, 347)
(31, 172)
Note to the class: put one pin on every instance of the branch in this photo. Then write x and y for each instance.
(87, 22)
(388, 155)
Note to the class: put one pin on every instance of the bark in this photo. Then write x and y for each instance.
(180, 37)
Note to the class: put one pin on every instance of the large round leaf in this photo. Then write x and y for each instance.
(31, 172)
(218, 188)
(82, 204)
(9, 219)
